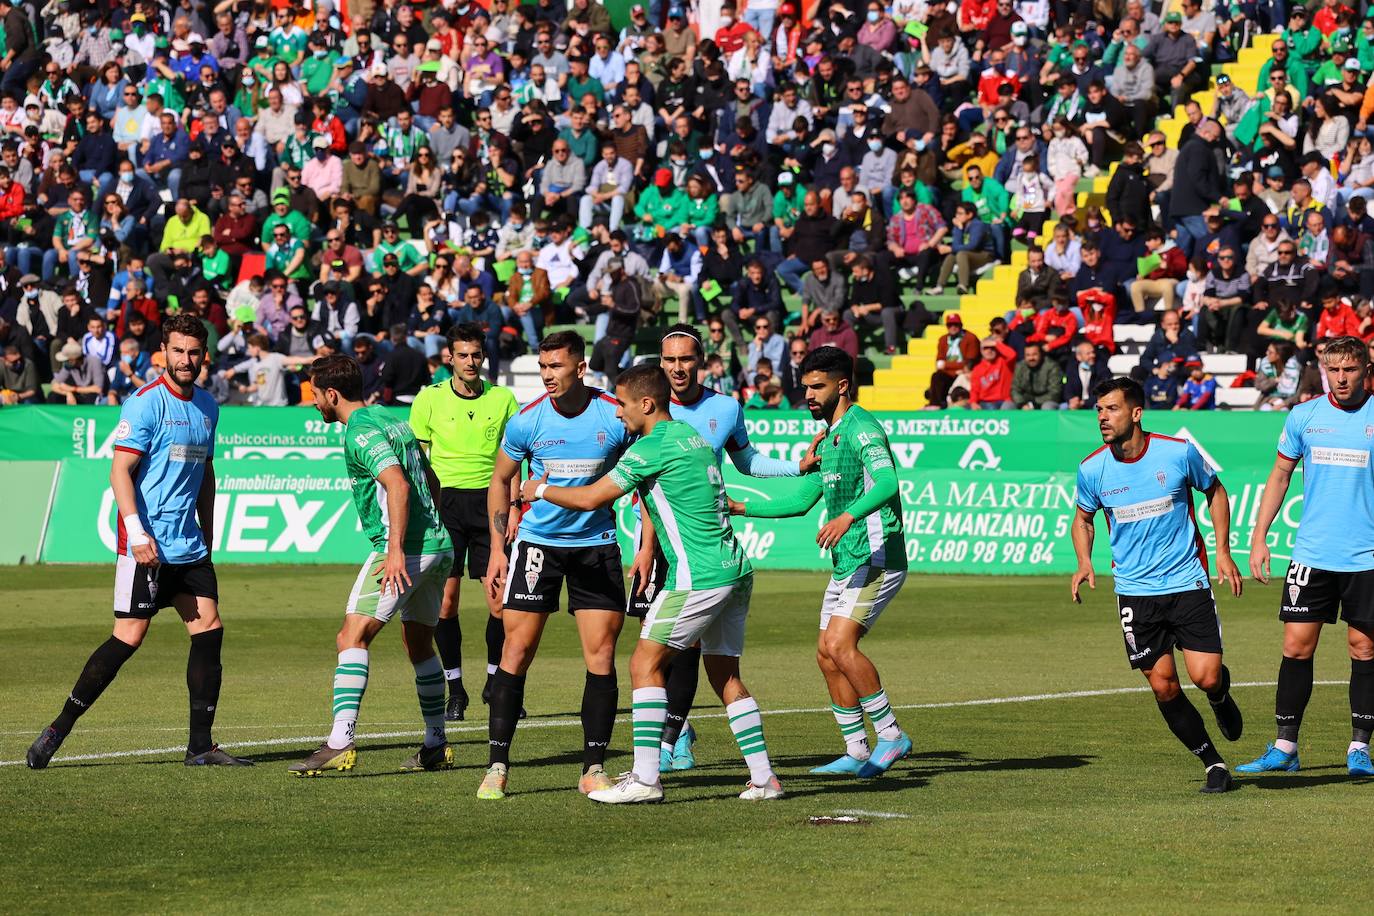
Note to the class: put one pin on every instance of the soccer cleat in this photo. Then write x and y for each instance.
(326, 758)
(457, 704)
(1218, 780)
(494, 783)
(770, 789)
(840, 766)
(884, 755)
(628, 791)
(665, 759)
(683, 758)
(1358, 762)
(1229, 720)
(438, 757)
(215, 757)
(43, 747)
(594, 780)
(1272, 760)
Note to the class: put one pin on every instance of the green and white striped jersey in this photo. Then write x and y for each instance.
(373, 442)
(675, 473)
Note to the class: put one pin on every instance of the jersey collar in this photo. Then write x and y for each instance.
(467, 397)
(701, 396)
(186, 397)
(1337, 404)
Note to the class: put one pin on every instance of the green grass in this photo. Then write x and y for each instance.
(1058, 804)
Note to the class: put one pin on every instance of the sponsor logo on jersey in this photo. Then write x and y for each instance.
(572, 467)
(1341, 457)
(1137, 656)
(545, 443)
(123, 430)
(1106, 493)
(1318, 430)
(194, 454)
(1139, 512)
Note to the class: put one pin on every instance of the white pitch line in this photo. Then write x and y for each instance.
(561, 723)
(881, 815)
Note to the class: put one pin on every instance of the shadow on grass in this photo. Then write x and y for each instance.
(1311, 776)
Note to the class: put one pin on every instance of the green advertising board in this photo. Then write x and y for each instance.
(984, 493)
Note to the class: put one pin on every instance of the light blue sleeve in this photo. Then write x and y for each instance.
(515, 440)
(137, 424)
(747, 459)
(1086, 497)
(1291, 443)
(1200, 473)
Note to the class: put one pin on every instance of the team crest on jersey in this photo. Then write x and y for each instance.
(1293, 594)
(601, 438)
(712, 423)
(1130, 640)
(1159, 475)
(1369, 432)
(534, 565)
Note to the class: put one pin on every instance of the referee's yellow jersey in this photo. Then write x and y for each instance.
(463, 433)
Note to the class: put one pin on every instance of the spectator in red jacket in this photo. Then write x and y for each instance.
(834, 331)
(1099, 317)
(11, 196)
(1337, 317)
(955, 352)
(1058, 343)
(990, 380)
(1162, 282)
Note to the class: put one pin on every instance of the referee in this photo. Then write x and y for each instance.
(459, 422)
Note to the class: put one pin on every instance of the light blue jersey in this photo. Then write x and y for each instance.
(575, 451)
(1156, 546)
(720, 420)
(1336, 532)
(174, 437)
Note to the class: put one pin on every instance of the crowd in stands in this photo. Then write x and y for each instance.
(316, 178)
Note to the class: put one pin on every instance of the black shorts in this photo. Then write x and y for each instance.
(464, 513)
(536, 572)
(1319, 596)
(639, 604)
(141, 591)
(1152, 625)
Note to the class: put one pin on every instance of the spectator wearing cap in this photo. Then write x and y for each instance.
(79, 378)
(1305, 42)
(661, 208)
(1162, 280)
(1175, 57)
(679, 40)
(283, 213)
(1230, 105)
(323, 174)
(955, 353)
(384, 99)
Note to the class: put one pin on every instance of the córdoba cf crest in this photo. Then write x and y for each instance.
(1293, 594)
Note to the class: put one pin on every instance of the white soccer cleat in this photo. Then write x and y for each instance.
(628, 791)
(770, 789)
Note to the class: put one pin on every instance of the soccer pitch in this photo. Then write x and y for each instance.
(1043, 776)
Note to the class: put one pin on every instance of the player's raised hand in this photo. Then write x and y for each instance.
(1259, 562)
(395, 580)
(810, 461)
(1227, 572)
(833, 530)
(736, 508)
(530, 486)
(1084, 574)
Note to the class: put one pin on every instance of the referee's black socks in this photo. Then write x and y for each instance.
(1361, 700)
(507, 696)
(203, 676)
(683, 672)
(600, 696)
(100, 670)
(1290, 699)
(1186, 724)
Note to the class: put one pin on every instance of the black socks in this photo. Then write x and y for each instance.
(496, 640)
(1290, 699)
(1361, 700)
(100, 670)
(1186, 724)
(203, 676)
(448, 639)
(599, 698)
(507, 696)
(683, 672)
(1216, 696)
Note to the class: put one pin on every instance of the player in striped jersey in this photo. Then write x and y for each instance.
(720, 421)
(858, 478)
(1144, 484)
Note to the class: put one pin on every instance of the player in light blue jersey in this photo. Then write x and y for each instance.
(572, 435)
(1332, 568)
(164, 486)
(1143, 483)
(720, 420)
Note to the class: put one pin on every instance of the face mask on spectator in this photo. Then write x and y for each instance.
(705, 152)
(726, 21)
(875, 145)
(874, 16)
(828, 149)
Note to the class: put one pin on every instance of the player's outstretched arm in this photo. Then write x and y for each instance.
(1082, 533)
(1219, 508)
(595, 495)
(205, 507)
(141, 544)
(799, 503)
(395, 579)
(504, 478)
(1275, 490)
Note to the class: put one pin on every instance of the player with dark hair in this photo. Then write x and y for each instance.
(459, 423)
(720, 421)
(1143, 483)
(163, 479)
(396, 495)
(858, 479)
(571, 435)
(673, 469)
(1332, 569)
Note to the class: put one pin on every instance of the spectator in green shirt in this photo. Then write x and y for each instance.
(787, 209)
(580, 83)
(993, 203)
(661, 207)
(214, 263)
(298, 223)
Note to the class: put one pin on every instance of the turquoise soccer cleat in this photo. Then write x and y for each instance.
(844, 765)
(683, 758)
(665, 759)
(885, 754)
(1272, 760)
(1358, 762)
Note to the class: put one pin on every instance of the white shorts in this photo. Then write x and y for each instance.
(862, 597)
(713, 615)
(418, 603)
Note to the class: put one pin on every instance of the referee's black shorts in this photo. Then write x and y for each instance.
(464, 513)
